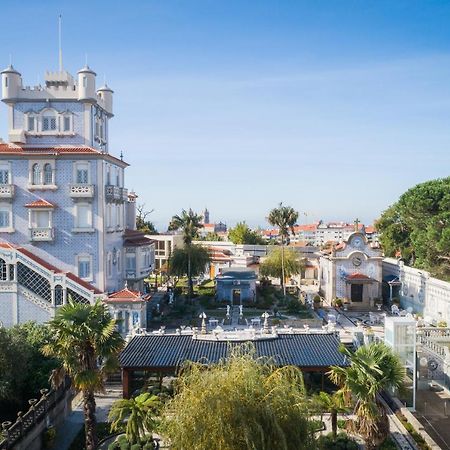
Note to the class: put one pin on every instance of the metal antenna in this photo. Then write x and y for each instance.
(10, 59)
(86, 59)
(60, 44)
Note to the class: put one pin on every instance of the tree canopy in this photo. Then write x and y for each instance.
(273, 266)
(24, 371)
(240, 403)
(242, 234)
(418, 226)
(179, 260)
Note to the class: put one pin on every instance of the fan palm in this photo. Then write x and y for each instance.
(333, 404)
(373, 368)
(85, 339)
(139, 415)
(283, 217)
(189, 223)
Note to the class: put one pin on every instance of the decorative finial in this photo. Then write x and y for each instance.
(121, 155)
(60, 43)
(126, 284)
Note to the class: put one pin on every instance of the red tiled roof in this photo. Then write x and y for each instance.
(64, 150)
(48, 266)
(357, 276)
(125, 294)
(370, 229)
(41, 203)
(136, 238)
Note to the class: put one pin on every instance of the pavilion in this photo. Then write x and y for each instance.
(164, 354)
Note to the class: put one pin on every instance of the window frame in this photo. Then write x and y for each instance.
(83, 258)
(7, 209)
(78, 227)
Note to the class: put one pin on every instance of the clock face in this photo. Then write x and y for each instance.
(357, 260)
(357, 241)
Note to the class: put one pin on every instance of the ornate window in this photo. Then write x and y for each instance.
(3, 270)
(48, 174)
(83, 216)
(36, 174)
(82, 173)
(5, 173)
(59, 295)
(109, 265)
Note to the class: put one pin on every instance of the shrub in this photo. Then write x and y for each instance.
(341, 423)
(342, 442)
(338, 302)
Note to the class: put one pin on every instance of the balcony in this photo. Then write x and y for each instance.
(113, 193)
(81, 190)
(6, 191)
(131, 274)
(41, 234)
(124, 194)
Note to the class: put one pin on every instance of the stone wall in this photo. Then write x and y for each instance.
(420, 291)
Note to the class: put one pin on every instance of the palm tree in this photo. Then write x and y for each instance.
(333, 404)
(189, 223)
(373, 368)
(85, 339)
(283, 217)
(138, 413)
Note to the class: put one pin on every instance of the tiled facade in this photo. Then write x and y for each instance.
(62, 194)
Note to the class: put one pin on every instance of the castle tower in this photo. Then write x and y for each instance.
(86, 84)
(11, 83)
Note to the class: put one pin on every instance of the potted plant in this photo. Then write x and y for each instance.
(317, 301)
(338, 302)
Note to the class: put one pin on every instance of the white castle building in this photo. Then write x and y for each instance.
(67, 222)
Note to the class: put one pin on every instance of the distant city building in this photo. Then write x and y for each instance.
(320, 233)
(64, 208)
(207, 227)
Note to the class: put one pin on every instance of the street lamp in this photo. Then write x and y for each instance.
(203, 317)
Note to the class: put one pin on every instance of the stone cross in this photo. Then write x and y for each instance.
(357, 224)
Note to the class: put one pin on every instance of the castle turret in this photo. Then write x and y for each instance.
(11, 84)
(86, 84)
(105, 93)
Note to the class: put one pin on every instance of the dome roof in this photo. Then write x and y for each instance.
(105, 87)
(10, 69)
(86, 69)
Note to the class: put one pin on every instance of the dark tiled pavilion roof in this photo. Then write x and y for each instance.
(304, 350)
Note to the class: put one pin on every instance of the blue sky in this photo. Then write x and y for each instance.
(334, 107)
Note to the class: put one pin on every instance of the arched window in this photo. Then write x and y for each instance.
(109, 265)
(36, 174)
(48, 174)
(58, 295)
(3, 270)
(119, 262)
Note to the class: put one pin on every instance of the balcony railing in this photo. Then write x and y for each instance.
(6, 190)
(81, 190)
(41, 234)
(113, 193)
